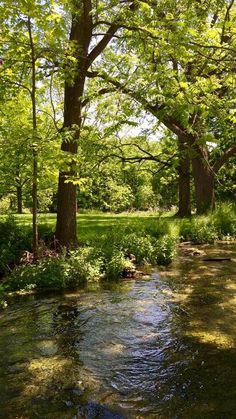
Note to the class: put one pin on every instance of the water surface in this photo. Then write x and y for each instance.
(162, 347)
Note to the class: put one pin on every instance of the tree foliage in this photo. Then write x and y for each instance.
(134, 91)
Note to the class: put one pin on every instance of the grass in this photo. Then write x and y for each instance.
(93, 224)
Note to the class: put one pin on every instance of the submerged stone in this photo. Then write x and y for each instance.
(94, 410)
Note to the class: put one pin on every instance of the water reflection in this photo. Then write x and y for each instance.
(163, 348)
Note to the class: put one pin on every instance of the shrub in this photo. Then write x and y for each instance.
(145, 198)
(140, 246)
(224, 219)
(48, 273)
(145, 247)
(3, 303)
(199, 230)
(121, 198)
(159, 228)
(13, 242)
(117, 264)
(165, 249)
(59, 272)
(5, 203)
(84, 265)
(46, 232)
(116, 239)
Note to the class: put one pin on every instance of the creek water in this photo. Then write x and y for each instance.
(157, 347)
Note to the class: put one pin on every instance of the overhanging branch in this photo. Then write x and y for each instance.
(224, 158)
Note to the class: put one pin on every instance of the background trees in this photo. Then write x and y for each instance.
(140, 95)
(179, 68)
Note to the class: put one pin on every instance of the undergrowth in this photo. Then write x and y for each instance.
(105, 256)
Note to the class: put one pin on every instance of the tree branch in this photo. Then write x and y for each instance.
(171, 123)
(226, 19)
(224, 158)
(98, 49)
(99, 93)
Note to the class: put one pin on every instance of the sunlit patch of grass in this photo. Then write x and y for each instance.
(92, 224)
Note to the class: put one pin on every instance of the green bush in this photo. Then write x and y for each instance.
(165, 249)
(117, 264)
(158, 228)
(14, 240)
(5, 203)
(121, 197)
(115, 240)
(90, 264)
(144, 247)
(145, 198)
(46, 232)
(140, 246)
(224, 219)
(59, 272)
(128, 241)
(199, 230)
(84, 265)
(48, 273)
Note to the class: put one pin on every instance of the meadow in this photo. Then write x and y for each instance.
(91, 226)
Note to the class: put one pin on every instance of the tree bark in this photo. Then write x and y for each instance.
(74, 90)
(80, 37)
(34, 145)
(204, 179)
(19, 199)
(184, 180)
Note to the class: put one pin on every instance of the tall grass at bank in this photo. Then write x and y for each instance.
(224, 220)
(217, 225)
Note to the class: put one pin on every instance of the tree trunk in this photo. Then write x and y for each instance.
(67, 191)
(66, 213)
(74, 91)
(19, 199)
(35, 139)
(80, 38)
(184, 180)
(204, 179)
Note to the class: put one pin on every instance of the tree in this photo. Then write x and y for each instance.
(86, 23)
(15, 164)
(16, 152)
(182, 76)
(114, 166)
(29, 22)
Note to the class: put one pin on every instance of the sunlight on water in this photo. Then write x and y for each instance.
(157, 348)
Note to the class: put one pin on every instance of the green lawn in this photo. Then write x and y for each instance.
(93, 224)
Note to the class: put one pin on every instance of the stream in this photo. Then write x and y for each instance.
(161, 346)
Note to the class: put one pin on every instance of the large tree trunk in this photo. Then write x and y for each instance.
(67, 194)
(74, 91)
(80, 37)
(204, 179)
(19, 199)
(184, 180)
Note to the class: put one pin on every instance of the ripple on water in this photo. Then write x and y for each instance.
(161, 348)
